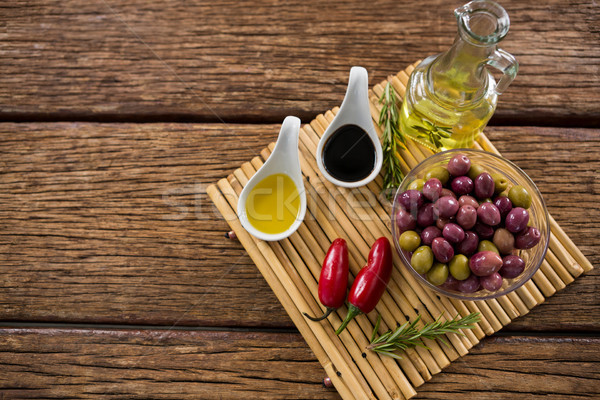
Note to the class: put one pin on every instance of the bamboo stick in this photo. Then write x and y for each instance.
(542, 282)
(568, 243)
(539, 298)
(403, 77)
(309, 277)
(499, 312)
(552, 276)
(527, 297)
(511, 310)
(560, 269)
(564, 256)
(325, 351)
(464, 310)
(517, 302)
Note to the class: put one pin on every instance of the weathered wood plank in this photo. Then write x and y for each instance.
(78, 364)
(99, 363)
(249, 60)
(108, 223)
(499, 368)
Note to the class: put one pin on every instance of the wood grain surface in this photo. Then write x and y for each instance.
(109, 223)
(175, 364)
(262, 60)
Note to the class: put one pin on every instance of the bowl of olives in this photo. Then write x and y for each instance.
(470, 224)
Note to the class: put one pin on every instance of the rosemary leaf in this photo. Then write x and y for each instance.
(390, 354)
(376, 328)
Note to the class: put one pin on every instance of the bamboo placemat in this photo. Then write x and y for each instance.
(292, 267)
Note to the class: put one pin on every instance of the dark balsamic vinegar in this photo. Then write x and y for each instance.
(349, 154)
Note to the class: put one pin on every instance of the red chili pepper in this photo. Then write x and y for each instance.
(334, 278)
(371, 281)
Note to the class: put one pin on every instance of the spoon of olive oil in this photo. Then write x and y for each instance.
(272, 205)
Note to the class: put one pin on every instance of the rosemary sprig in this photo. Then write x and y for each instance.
(408, 335)
(433, 133)
(389, 121)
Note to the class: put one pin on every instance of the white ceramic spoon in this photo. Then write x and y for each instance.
(283, 160)
(354, 110)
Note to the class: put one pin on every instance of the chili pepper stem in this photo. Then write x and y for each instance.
(322, 317)
(353, 311)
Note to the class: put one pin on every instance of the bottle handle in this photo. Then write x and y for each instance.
(505, 63)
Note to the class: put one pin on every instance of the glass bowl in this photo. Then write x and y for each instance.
(538, 217)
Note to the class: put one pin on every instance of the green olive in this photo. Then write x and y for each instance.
(422, 259)
(486, 245)
(417, 184)
(438, 172)
(438, 274)
(409, 240)
(459, 267)
(500, 183)
(519, 196)
(475, 171)
(486, 200)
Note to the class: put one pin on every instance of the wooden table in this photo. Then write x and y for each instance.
(116, 279)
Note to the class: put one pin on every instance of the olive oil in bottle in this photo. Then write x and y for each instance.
(451, 97)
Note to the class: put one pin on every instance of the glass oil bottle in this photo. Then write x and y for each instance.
(451, 97)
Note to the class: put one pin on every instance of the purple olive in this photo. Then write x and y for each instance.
(442, 250)
(512, 266)
(448, 192)
(430, 233)
(491, 282)
(462, 185)
(517, 219)
(484, 231)
(447, 206)
(411, 200)
(459, 165)
(468, 201)
(469, 244)
(466, 216)
(405, 220)
(469, 285)
(442, 222)
(426, 215)
(504, 205)
(484, 186)
(432, 189)
(528, 238)
(504, 240)
(489, 214)
(451, 283)
(453, 233)
(485, 263)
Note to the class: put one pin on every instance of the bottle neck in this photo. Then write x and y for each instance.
(458, 76)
